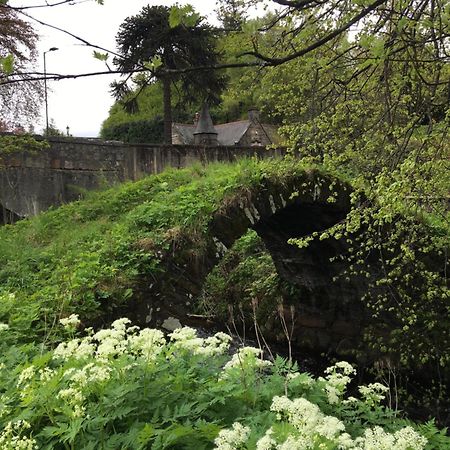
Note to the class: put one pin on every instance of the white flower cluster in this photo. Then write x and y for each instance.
(3, 327)
(11, 437)
(313, 428)
(74, 399)
(111, 342)
(373, 393)
(267, 442)
(247, 357)
(88, 375)
(307, 418)
(71, 322)
(337, 380)
(232, 439)
(26, 376)
(186, 338)
(378, 439)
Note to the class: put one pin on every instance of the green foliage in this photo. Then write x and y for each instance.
(137, 131)
(243, 285)
(90, 256)
(7, 64)
(11, 144)
(143, 124)
(129, 388)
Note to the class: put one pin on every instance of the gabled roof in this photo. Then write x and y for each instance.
(231, 133)
(185, 132)
(227, 133)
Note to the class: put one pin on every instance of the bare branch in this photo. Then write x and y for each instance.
(46, 5)
(319, 42)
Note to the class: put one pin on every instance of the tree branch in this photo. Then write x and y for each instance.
(46, 5)
(320, 42)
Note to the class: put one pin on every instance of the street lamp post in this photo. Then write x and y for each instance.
(52, 49)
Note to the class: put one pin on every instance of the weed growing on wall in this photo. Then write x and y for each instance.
(126, 387)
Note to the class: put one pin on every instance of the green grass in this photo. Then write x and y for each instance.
(88, 256)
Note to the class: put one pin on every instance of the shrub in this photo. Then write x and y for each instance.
(126, 387)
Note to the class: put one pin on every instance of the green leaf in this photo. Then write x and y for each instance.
(183, 15)
(154, 63)
(7, 64)
(101, 56)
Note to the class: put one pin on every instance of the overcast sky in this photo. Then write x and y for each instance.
(83, 104)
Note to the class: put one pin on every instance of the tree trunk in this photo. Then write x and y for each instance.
(167, 100)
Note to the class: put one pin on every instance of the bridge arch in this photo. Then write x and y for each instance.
(329, 315)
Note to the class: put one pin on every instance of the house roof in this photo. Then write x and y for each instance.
(231, 133)
(227, 133)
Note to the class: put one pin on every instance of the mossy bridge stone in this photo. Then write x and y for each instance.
(329, 313)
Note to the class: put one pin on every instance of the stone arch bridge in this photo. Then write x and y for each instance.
(329, 314)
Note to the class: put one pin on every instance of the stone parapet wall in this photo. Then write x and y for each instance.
(33, 182)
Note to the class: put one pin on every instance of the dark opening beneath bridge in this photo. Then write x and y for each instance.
(7, 216)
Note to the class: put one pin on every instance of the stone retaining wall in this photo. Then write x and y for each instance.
(33, 182)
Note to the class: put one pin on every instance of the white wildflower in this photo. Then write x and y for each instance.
(266, 442)
(296, 443)
(232, 439)
(71, 322)
(148, 342)
(71, 396)
(11, 437)
(341, 366)
(333, 394)
(408, 439)
(120, 324)
(26, 375)
(186, 338)
(247, 357)
(217, 344)
(337, 380)
(3, 327)
(89, 374)
(329, 427)
(373, 393)
(300, 413)
(46, 374)
(377, 439)
(345, 442)
(66, 350)
(108, 347)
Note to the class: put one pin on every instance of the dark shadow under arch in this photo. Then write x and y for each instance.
(7, 216)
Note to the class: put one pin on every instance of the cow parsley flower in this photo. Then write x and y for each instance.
(267, 442)
(71, 322)
(296, 443)
(186, 339)
(378, 439)
(232, 439)
(247, 357)
(149, 343)
(120, 324)
(3, 327)
(71, 396)
(46, 374)
(337, 380)
(26, 375)
(409, 439)
(373, 393)
(11, 436)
